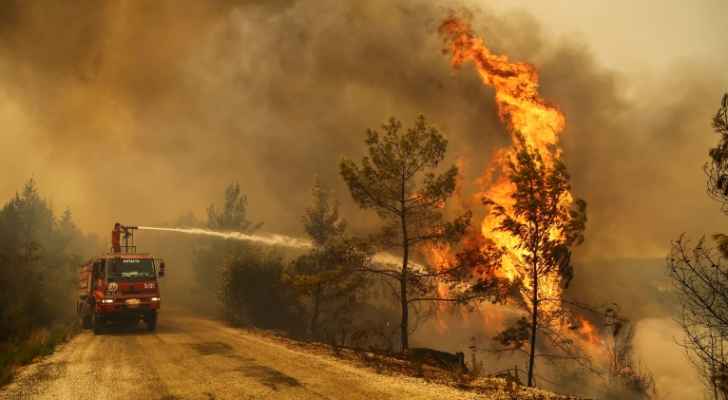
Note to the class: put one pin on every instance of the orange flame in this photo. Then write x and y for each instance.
(526, 115)
(588, 331)
(516, 85)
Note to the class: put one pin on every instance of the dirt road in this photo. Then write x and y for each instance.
(195, 358)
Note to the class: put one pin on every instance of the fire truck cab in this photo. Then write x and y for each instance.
(120, 286)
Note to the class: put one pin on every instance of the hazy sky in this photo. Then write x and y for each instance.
(140, 112)
(634, 36)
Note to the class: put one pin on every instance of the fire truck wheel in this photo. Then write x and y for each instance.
(97, 324)
(151, 322)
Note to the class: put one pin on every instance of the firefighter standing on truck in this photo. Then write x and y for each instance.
(116, 238)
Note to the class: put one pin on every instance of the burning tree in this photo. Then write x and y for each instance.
(533, 219)
(399, 181)
(545, 222)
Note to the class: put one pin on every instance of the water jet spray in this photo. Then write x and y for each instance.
(269, 240)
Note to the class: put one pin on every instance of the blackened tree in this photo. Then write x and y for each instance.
(700, 277)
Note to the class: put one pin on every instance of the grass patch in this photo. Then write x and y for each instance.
(41, 342)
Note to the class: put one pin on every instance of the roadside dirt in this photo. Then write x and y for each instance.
(195, 358)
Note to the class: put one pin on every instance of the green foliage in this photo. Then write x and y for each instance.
(327, 275)
(39, 257)
(399, 181)
(233, 216)
(254, 292)
(717, 168)
(209, 254)
(42, 343)
(247, 279)
(321, 220)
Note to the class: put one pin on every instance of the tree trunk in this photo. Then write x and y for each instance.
(404, 326)
(404, 329)
(534, 322)
(315, 314)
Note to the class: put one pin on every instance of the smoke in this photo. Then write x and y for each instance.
(659, 336)
(143, 111)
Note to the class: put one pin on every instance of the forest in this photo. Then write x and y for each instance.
(339, 293)
(408, 196)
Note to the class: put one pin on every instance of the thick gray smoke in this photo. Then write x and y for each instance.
(142, 111)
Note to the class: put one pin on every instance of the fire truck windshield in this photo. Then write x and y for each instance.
(125, 269)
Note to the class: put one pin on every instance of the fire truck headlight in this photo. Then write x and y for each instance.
(107, 301)
(155, 298)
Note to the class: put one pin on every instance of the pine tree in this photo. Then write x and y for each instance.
(399, 180)
(327, 274)
(546, 226)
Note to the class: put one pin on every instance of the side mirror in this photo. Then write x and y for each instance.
(161, 269)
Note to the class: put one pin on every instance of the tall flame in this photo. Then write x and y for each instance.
(516, 85)
(526, 115)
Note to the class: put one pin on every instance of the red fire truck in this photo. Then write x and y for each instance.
(120, 286)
